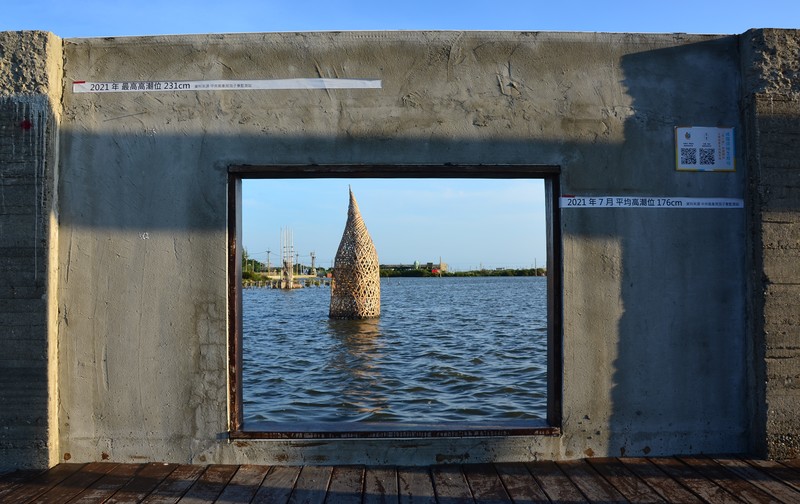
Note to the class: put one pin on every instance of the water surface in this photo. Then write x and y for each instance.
(466, 350)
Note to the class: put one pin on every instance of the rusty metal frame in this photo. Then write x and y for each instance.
(551, 427)
(234, 303)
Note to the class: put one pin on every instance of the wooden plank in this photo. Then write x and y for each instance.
(794, 463)
(12, 481)
(244, 484)
(75, 484)
(414, 486)
(637, 480)
(311, 485)
(346, 486)
(520, 484)
(41, 483)
(277, 486)
(175, 485)
(108, 485)
(694, 481)
(742, 489)
(787, 475)
(380, 485)
(590, 483)
(209, 485)
(669, 489)
(627, 483)
(761, 479)
(485, 483)
(145, 481)
(450, 485)
(555, 483)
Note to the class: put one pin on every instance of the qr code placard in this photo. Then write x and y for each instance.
(688, 156)
(707, 156)
(704, 148)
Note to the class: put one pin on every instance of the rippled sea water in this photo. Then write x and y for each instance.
(443, 350)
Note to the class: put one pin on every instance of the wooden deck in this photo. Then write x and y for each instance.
(690, 479)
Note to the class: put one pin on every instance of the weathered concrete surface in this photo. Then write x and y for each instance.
(30, 64)
(771, 66)
(30, 95)
(654, 300)
(656, 355)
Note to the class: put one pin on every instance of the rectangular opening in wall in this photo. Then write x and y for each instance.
(467, 339)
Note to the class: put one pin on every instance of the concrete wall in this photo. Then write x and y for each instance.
(30, 94)
(660, 356)
(771, 66)
(654, 327)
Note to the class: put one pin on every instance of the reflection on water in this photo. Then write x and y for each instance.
(443, 350)
(355, 355)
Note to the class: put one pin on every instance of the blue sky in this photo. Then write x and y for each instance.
(468, 223)
(94, 18)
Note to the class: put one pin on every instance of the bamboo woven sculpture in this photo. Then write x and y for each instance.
(356, 282)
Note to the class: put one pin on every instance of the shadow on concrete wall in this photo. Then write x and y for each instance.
(774, 277)
(679, 383)
(146, 227)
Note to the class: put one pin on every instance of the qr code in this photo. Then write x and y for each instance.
(688, 156)
(706, 156)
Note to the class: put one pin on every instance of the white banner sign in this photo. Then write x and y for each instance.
(569, 201)
(221, 85)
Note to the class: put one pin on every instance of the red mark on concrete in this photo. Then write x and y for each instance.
(26, 124)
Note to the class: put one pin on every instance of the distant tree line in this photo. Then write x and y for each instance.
(424, 272)
(253, 269)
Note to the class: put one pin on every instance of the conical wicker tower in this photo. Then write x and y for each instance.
(356, 283)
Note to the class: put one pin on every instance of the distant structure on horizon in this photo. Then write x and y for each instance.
(434, 268)
(356, 281)
(287, 260)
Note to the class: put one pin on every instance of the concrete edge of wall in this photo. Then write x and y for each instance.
(771, 116)
(31, 85)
